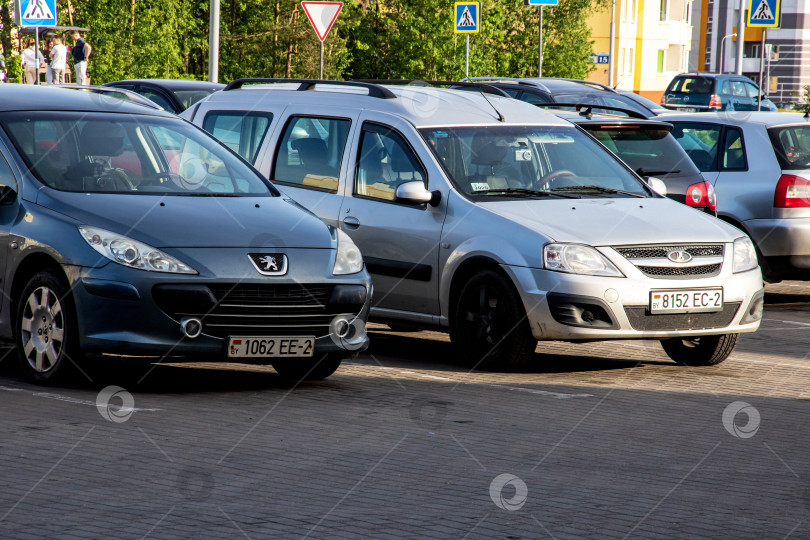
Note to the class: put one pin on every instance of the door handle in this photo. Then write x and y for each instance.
(351, 223)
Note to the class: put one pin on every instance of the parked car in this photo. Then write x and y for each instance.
(130, 231)
(650, 150)
(497, 221)
(645, 102)
(174, 95)
(571, 91)
(707, 92)
(760, 168)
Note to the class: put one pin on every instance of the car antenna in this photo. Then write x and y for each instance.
(483, 94)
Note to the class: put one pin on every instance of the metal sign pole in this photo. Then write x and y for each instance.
(467, 66)
(36, 52)
(320, 72)
(740, 39)
(540, 44)
(761, 65)
(213, 42)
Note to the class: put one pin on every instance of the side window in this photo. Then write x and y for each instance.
(6, 176)
(738, 89)
(753, 91)
(700, 141)
(310, 152)
(385, 161)
(160, 99)
(726, 89)
(242, 132)
(733, 156)
(528, 97)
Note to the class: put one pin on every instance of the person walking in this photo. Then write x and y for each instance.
(46, 52)
(81, 52)
(31, 60)
(58, 60)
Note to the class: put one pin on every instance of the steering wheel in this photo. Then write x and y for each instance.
(541, 183)
(114, 180)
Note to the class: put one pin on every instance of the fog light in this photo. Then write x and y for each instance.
(191, 327)
(755, 308)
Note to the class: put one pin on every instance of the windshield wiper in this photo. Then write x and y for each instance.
(599, 189)
(524, 191)
(652, 172)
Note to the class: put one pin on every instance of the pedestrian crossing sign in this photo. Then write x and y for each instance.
(763, 13)
(37, 12)
(467, 17)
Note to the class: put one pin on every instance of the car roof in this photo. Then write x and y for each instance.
(19, 97)
(609, 119)
(713, 76)
(422, 106)
(174, 84)
(766, 118)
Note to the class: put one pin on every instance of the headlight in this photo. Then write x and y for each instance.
(132, 253)
(745, 256)
(348, 259)
(578, 259)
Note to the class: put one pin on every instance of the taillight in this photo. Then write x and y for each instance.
(792, 192)
(702, 194)
(715, 102)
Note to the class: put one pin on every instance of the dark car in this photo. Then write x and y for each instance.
(648, 148)
(129, 231)
(173, 95)
(553, 90)
(710, 92)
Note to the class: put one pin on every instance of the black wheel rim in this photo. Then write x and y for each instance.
(482, 313)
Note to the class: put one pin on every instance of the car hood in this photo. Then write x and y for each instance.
(615, 221)
(177, 222)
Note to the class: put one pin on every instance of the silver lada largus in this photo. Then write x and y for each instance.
(495, 220)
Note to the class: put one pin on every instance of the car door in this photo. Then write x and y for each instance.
(400, 241)
(9, 212)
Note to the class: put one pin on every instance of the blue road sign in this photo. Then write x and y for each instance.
(37, 12)
(763, 13)
(541, 2)
(467, 18)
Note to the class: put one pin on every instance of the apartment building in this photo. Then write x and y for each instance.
(786, 68)
(652, 43)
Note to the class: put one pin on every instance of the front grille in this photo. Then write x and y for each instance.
(641, 319)
(675, 272)
(249, 310)
(660, 252)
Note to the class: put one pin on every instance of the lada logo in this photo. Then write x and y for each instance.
(679, 256)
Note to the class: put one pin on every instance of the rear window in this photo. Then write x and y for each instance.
(792, 146)
(646, 151)
(693, 85)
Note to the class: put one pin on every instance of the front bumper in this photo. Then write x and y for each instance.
(126, 311)
(577, 307)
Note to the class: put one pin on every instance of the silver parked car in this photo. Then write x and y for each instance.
(495, 220)
(759, 163)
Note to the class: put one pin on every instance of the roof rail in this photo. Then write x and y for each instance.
(534, 83)
(486, 88)
(374, 90)
(134, 97)
(585, 109)
(583, 81)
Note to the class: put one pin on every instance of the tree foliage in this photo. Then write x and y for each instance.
(411, 39)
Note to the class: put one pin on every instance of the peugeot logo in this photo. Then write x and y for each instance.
(269, 264)
(679, 256)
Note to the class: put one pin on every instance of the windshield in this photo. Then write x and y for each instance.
(646, 151)
(506, 161)
(82, 152)
(792, 146)
(190, 97)
(692, 85)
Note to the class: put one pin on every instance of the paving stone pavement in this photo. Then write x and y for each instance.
(601, 440)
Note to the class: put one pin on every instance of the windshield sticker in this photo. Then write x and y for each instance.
(550, 138)
(523, 155)
(479, 186)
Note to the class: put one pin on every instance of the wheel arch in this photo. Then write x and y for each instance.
(28, 268)
(465, 271)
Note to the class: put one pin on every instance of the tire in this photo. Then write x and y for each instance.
(700, 351)
(46, 330)
(308, 370)
(488, 324)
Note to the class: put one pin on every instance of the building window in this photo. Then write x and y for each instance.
(664, 10)
(687, 17)
(629, 11)
(661, 57)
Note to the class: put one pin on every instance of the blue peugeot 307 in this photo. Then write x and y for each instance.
(127, 230)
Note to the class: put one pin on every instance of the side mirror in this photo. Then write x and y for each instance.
(657, 185)
(415, 192)
(7, 195)
(763, 97)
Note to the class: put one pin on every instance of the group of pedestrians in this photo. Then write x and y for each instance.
(33, 60)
